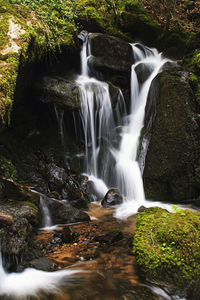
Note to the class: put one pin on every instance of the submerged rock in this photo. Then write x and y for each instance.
(112, 197)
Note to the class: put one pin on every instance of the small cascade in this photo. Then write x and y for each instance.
(98, 119)
(45, 212)
(129, 178)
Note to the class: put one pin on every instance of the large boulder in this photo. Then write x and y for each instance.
(110, 52)
(60, 91)
(167, 246)
(172, 157)
(137, 21)
(17, 219)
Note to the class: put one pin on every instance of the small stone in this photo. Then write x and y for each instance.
(141, 209)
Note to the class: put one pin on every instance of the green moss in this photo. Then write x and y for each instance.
(7, 169)
(167, 245)
(33, 206)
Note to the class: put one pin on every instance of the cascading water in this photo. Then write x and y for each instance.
(46, 215)
(98, 123)
(128, 169)
(32, 282)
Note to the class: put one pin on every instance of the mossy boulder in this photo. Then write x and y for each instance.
(173, 152)
(15, 235)
(167, 245)
(140, 24)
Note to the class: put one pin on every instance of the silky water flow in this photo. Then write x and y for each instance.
(106, 164)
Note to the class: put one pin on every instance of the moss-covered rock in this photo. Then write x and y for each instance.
(167, 245)
(137, 21)
(16, 235)
(173, 152)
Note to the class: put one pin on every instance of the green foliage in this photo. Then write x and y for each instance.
(167, 245)
(7, 169)
(58, 16)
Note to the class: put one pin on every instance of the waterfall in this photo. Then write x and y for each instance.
(105, 163)
(98, 120)
(129, 177)
(46, 215)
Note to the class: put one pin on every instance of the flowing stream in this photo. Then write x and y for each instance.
(105, 164)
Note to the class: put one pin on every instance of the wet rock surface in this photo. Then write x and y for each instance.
(173, 153)
(109, 50)
(15, 233)
(60, 91)
(112, 197)
(63, 212)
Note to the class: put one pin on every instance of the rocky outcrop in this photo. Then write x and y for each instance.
(62, 92)
(63, 212)
(139, 23)
(65, 93)
(172, 157)
(17, 220)
(110, 52)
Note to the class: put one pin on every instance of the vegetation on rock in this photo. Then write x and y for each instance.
(174, 134)
(167, 245)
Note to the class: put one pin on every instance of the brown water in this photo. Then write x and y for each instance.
(110, 270)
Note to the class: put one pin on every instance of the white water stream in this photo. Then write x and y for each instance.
(118, 167)
(32, 282)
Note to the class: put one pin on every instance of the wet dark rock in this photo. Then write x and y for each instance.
(112, 197)
(15, 235)
(171, 169)
(111, 237)
(56, 177)
(143, 71)
(62, 92)
(141, 209)
(63, 212)
(65, 234)
(43, 263)
(108, 51)
(193, 290)
(18, 192)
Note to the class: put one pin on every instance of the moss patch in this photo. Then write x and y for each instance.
(167, 245)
